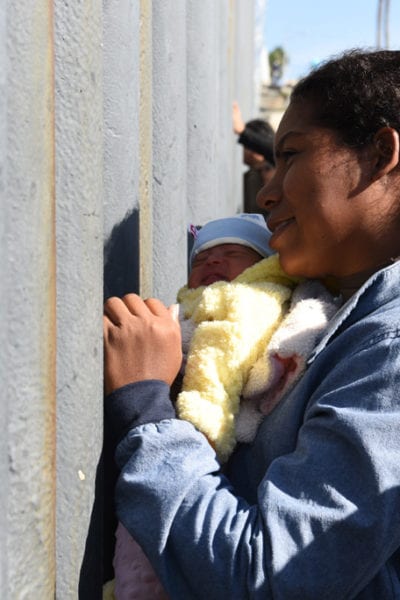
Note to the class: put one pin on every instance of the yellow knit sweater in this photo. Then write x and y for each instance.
(234, 323)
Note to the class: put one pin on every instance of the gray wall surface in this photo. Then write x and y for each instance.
(115, 124)
(79, 223)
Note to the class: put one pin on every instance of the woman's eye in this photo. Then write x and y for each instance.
(287, 154)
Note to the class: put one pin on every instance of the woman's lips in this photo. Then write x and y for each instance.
(279, 227)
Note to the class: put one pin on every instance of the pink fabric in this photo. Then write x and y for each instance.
(286, 371)
(135, 578)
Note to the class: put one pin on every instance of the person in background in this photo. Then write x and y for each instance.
(309, 509)
(257, 138)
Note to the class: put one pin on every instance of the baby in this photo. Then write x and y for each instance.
(236, 297)
(224, 248)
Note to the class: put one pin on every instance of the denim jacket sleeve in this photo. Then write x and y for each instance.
(325, 519)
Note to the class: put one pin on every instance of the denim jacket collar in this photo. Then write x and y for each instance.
(361, 303)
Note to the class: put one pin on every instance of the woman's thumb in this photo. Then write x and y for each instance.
(174, 310)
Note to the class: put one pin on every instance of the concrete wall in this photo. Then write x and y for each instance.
(115, 128)
(4, 294)
(28, 303)
(169, 183)
(79, 210)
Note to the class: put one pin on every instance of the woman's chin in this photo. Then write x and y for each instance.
(295, 267)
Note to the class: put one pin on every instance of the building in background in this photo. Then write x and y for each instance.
(273, 101)
(115, 134)
(271, 93)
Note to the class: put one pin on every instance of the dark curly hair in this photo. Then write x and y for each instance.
(263, 128)
(354, 94)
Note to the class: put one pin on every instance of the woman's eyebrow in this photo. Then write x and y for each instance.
(283, 139)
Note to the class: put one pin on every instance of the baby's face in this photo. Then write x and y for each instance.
(221, 263)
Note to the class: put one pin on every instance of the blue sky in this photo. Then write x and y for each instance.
(312, 30)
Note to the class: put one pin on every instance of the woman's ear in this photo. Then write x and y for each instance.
(386, 152)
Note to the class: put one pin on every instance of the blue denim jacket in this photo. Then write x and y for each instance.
(309, 510)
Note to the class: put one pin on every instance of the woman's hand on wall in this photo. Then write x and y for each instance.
(142, 340)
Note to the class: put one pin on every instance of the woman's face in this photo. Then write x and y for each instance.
(322, 213)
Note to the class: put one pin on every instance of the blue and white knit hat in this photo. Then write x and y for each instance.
(247, 229)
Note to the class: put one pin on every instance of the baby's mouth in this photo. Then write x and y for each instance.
(212, 278)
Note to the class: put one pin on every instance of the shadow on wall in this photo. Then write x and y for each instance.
(121, 258)
(121, 276)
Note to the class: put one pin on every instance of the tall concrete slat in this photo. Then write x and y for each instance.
(229, 193)
(121, 75)
(235, 152)
(79, 192)
(121, 67)
(28, 301)
(169, 183)
(145, 138)
(121, 110)
(4, 362)
(203, 111)
(243, 58)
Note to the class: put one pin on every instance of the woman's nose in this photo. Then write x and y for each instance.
(268, 195)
